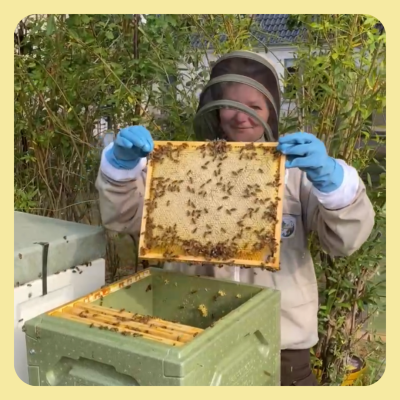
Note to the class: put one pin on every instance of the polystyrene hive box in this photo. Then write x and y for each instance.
(55, 261)
(208, 333)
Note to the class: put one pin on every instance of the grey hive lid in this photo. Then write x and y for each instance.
(70, 244)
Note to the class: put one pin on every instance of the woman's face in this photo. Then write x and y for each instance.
(237, 125)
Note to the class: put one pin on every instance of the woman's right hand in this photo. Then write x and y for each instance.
(132, 144)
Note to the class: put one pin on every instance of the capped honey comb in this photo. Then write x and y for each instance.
(213, 202)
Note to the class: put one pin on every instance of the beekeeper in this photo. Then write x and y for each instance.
(241, 102)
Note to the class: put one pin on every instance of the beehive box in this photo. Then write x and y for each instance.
(160, 328)
(55, 262)
(214, 202)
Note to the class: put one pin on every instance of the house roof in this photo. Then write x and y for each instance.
(273, 29)
(269, 29)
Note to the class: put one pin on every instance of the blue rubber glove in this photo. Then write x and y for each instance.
(132, 144)
(306, 152)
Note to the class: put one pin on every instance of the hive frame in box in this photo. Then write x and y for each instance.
(122, 321)
(268, 256)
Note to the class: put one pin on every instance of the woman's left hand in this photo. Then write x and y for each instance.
(308, 153)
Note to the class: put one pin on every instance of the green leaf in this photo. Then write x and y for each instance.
(327, 88)
(85, 18)
(51, 25)
(109, 35)
(369, 180)
(345, 305)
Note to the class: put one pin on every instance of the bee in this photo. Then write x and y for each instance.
(188, 213)
(225, 197)
(219, 208)
(21, 320)
(219, 164)
(219, 184)
(191, 180)
(148, 288)
(122, 310)
(260, 171)
(206, 211)
(208, 162)
(80, 272)
(234, 173)
(228, 212)
(203, 167)
(208, 181)
(223, 230)
(201, 187)
(194, 230)
(233, 209)
(91, 325)
(193, 291)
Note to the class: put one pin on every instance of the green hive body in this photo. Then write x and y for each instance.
(241, 349)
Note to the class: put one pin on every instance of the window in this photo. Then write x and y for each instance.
(289, 79)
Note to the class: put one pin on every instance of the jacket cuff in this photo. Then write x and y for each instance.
(345, 194)
(120, 175)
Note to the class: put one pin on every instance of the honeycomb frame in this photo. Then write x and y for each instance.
(121, 321)
(213, 203)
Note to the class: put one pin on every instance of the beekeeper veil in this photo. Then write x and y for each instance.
(246, 69)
